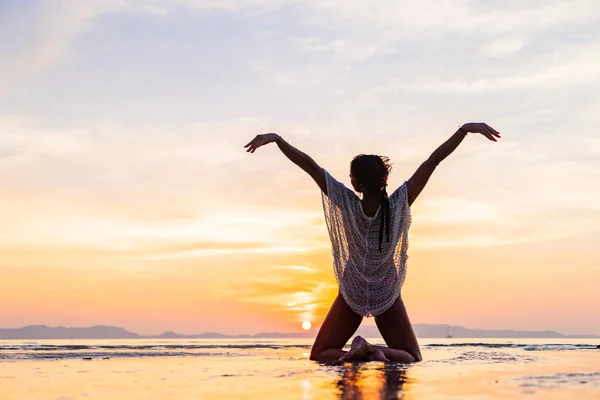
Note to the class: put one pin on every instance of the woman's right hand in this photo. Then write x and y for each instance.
(261, 140)
(483, 128)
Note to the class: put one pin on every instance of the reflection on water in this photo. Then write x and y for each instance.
(395, 377)
(369, 380)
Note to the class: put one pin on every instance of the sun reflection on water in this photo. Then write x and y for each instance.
(371, 380)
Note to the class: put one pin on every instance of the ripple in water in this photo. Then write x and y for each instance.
(591, 379)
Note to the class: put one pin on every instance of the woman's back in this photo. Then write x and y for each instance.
(370, 271)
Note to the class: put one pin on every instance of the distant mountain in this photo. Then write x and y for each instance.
(441, 331)
(214, 335)
(115, 332)
(60, 332)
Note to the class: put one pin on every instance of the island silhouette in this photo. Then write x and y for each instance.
(115, 332)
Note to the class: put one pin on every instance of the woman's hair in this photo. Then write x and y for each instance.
(372, 172)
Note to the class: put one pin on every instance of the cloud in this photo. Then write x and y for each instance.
(152, 182)
(119, 185)
(191, 254)
(298, 268)
(54, 25)
(363, 28)
(457, 211)
(503, 47)
(579, 70)
(306, 298)
(424, 17)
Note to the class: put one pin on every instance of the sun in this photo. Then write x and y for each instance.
(306, 325)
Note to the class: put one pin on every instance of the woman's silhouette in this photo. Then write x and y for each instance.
(369, 246)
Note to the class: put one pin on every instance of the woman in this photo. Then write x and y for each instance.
(369, 246)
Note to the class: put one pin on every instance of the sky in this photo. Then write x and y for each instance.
(126, 197)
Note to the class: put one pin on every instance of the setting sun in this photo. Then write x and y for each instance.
(306, 325)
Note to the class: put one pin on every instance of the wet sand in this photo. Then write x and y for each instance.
(281, 370)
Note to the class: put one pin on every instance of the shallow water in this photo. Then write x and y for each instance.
(280, 369)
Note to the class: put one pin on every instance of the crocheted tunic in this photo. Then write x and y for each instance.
(369, 279)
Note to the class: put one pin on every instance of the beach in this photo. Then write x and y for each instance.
(280, 369)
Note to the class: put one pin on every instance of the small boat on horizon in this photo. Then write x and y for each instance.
(448, 336)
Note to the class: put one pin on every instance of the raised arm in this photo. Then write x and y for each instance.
(419, 179)
(299, 158)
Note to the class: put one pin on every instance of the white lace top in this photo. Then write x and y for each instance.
(369, 279)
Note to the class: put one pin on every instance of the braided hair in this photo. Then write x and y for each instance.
(372, 172)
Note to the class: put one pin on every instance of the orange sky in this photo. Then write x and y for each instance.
(269, 268)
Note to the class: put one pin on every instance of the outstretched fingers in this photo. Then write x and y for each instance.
(494, 132)
(484, 129)
(258, 141)
(253, 145)
(252, 141)
(489, 132)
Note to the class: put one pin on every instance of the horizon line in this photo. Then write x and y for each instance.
(295, 333)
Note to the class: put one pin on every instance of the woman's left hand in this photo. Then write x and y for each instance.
(483, 128)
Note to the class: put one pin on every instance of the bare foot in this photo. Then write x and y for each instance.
(377, 355)
(359, 350)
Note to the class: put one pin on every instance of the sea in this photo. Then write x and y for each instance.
(280, 369)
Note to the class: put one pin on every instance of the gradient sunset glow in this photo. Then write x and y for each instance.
(126, 197)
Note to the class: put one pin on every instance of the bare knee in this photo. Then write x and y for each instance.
(416, 355)
(410, 355)
(315, 352)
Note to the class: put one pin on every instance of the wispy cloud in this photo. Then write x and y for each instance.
(55, 24)
(386, 23)
(190, 254)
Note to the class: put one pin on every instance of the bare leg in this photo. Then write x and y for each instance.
(378, 355)
(396, 330)
(339, 326)
(362, 350)
(394, 354)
